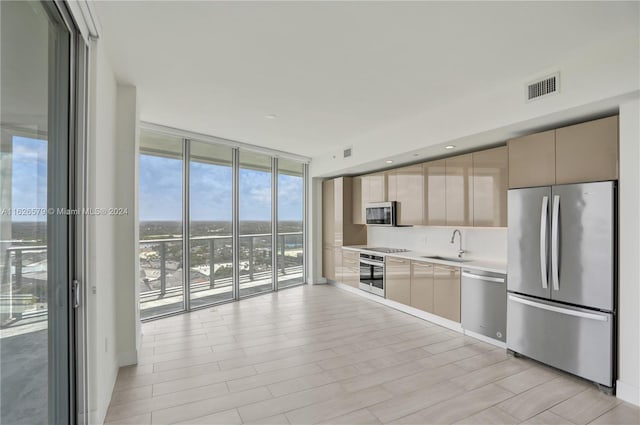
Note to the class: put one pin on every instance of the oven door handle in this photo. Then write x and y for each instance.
(371, 263)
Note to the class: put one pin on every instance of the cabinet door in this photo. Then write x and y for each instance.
(392, 185)
(410, 194)
(328, 219)
(338, 212)
(532, 160)
(435, 193)
(338, 272)
(328, 263)
(357, 197)
(587, 152)
(398, 280)
(490, 185)
(422, 286)
(377, 187)
(446, 292)
(351, 268)
(459, 190)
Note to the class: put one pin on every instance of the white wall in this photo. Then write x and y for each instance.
(112, 281)
(126, 229)
(629, 255)
(592, 80)
(479, 244)
(102, 355)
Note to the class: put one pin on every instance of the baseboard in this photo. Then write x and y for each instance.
(128, 358)
(446, 323)
(628, 393)
(486, 339)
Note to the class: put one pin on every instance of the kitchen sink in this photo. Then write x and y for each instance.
(439, 257)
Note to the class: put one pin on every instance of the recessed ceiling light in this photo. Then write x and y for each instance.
(449, 147)
(388, 161)
(271, 116)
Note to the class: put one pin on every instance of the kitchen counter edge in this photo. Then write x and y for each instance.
(482, 265)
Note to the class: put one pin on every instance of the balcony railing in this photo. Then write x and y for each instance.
(162, 274)
(24, 276)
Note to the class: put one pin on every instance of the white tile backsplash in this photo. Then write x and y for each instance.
(479, 243)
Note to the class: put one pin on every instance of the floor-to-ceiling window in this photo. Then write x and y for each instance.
(245, 222)
(161, 224)
(290, 239)
(256, 236)
(211, 223)
(37, 257)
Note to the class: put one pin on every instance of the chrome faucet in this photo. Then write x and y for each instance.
(453, 236)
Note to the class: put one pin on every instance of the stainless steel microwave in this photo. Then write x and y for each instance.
(381, 213)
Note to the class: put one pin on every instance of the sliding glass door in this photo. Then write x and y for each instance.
(37, 258)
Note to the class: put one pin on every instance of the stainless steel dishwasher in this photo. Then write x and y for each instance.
(484, 303)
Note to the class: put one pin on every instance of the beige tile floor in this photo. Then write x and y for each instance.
(318, 354)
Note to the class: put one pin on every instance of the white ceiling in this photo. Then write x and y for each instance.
(332, 71)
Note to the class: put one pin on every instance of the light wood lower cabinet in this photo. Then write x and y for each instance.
(351, 268)
(337, 263)
(398, 280)
(328, 263)
(446, 292)
(422, 286)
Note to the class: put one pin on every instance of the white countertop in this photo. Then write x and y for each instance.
(477, 264)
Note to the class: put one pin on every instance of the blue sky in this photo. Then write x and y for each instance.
(161, 188)
(161, 192)
(29, 176)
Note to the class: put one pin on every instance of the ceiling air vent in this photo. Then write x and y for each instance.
(347, 153)
(544, 87)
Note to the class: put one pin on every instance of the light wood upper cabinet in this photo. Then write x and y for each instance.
(434, 210)
(366, 189)
(377, 185)
(405, 185)
(358, 207)
(398, 280)
(578, 153)
(532, 160)
(338, 210)
(490, 184)
(422, 286)
(446, 292)
(328, 222)
(459, 190)
(587, 152)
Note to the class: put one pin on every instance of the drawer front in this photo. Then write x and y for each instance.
(576, 340)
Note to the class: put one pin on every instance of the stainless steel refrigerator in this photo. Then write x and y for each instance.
(562, 277)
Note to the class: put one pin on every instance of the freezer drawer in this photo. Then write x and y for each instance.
(576, 340)
(484, 303)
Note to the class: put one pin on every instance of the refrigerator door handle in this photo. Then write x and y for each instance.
(543, 242)
(555, 232)
(568, 312)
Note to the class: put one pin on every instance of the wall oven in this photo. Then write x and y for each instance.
(372, 273)
(381, 213)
